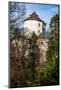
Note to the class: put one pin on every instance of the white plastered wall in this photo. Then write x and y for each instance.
(34, 25)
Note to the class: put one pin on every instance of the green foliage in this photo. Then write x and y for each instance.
(52, 68)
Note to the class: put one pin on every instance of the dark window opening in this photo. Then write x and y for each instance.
(41, 43)
(39, 24)
(38, 31)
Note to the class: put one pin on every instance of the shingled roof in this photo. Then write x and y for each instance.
(34, 16)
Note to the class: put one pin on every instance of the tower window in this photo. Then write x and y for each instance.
(39, 24)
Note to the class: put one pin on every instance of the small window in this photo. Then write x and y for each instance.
(39, 24)
(41, 43)
(38, 31)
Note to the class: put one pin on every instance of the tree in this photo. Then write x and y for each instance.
(33, 59)
(17, 60)
(52, 69)
(17, 13)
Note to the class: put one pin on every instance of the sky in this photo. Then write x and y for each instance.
(45, 11)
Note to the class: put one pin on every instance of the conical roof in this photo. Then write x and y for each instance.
(34, 16)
